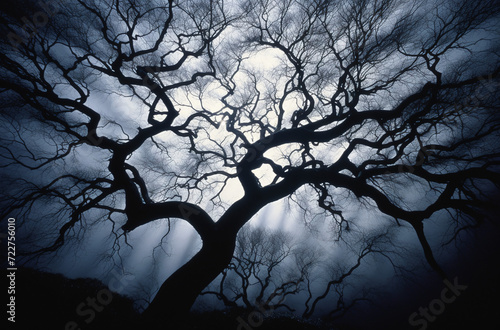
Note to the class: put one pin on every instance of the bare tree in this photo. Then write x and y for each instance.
(128, 112)
(338, 274)
(266, 268)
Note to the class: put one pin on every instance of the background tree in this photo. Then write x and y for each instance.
(116, 114)
(269, 267)
(337, 276)
(266, 268)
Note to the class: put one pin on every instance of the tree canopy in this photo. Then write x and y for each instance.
(116, 114)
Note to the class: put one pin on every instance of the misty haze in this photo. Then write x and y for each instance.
(253, 164)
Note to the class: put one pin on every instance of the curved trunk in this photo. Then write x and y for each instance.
(178, 293)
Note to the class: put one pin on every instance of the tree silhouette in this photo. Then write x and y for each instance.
(266, 268)
(269, 266)
(128, 112)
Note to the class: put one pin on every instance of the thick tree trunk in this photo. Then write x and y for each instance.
(173, 301)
